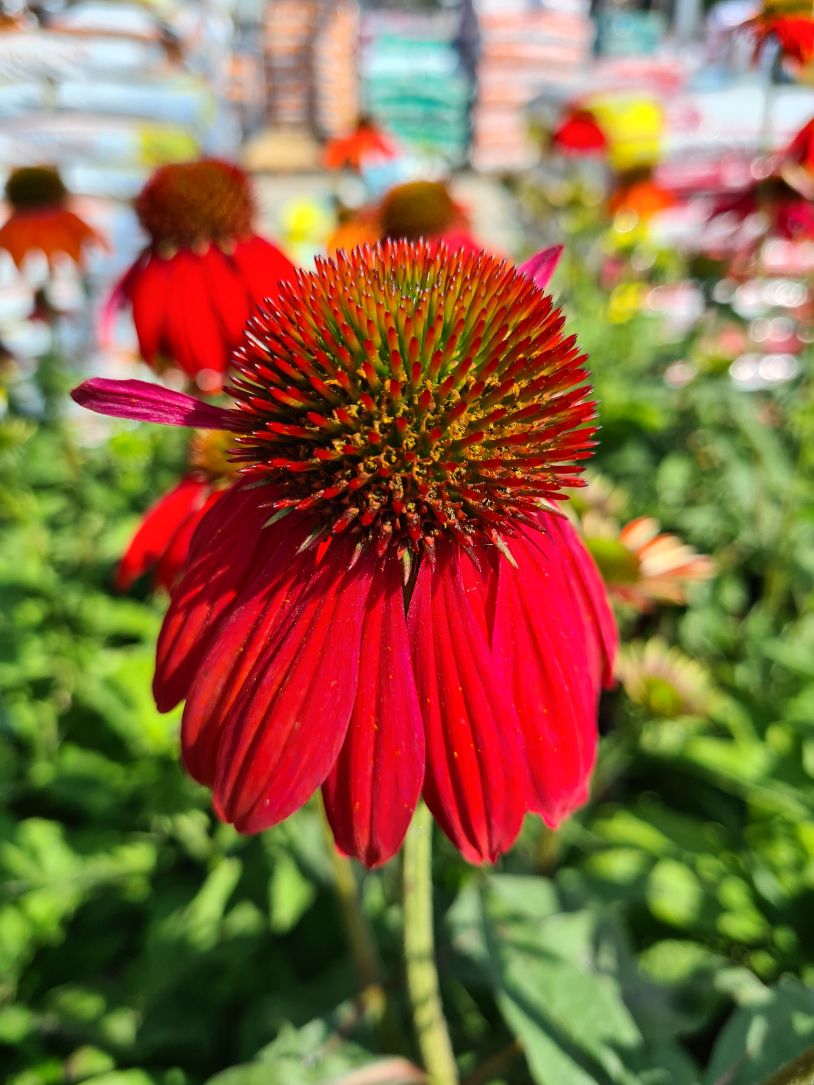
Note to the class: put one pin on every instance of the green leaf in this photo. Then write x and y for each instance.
(291, 894)
(569, 1016)
(758, 1039)
(316, 1055)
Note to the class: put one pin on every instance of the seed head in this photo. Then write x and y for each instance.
(187, 204)
(405, 392)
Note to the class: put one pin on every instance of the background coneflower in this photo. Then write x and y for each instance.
(41, 219)
(663, 680)
(161, 543)
(204, 271)
(413, 211)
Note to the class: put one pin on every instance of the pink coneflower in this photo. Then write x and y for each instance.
(640, 564)
(204, 271)
(385, 604)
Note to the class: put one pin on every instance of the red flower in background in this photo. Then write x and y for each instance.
(162, 540)
(385, 603)
(204, 272)
(794, 33)
(578, 133)
(40, 219)
(365, 144)
(801, 149)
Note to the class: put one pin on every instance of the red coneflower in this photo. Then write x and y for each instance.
(797, 162)
(794, 33)
(162, 540)
(41, 220)
(579, 133)
(204, 272)
(386, 603)
(366, 144)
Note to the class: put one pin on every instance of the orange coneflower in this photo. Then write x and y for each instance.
(638, 193)
(365, 145)
(41, 220)
(640, 564)
(414, 210)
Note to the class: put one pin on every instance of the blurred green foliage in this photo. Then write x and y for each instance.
(662, 937)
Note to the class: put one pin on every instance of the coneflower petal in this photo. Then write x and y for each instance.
(145, 285)
(226, 285)
(193, 333)
(373, 788)
(541, 630)
(540, 267)
(602, 635)
(476, 772)
(226, 551)
(263, 267)
(146, 402)
(270, 707)
(173, 560)
(160, 524)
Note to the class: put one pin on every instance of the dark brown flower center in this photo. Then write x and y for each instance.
(194, 203)
(417, 209)
(34, 188)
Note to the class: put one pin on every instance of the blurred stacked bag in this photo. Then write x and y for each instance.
(414, 81)
(106, 93)
(335, 65)
(288, 34)
(525, 47)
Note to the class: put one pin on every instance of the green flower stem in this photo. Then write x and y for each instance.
(419, 953)
(361, 943)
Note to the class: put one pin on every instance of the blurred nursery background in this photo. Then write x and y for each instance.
(664, 934)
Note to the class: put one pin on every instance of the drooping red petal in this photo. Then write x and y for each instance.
(262, 266)
(145, 402)
(234, 304)
(476, 775)
(373, 788)
(221, 560)
(145, 286)
(544, 637)
(801, 148)
(795, 34)
(173, 560)
(158, 529)
(604, 634)
(270, 706)
(192, 333)
(542, 265)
